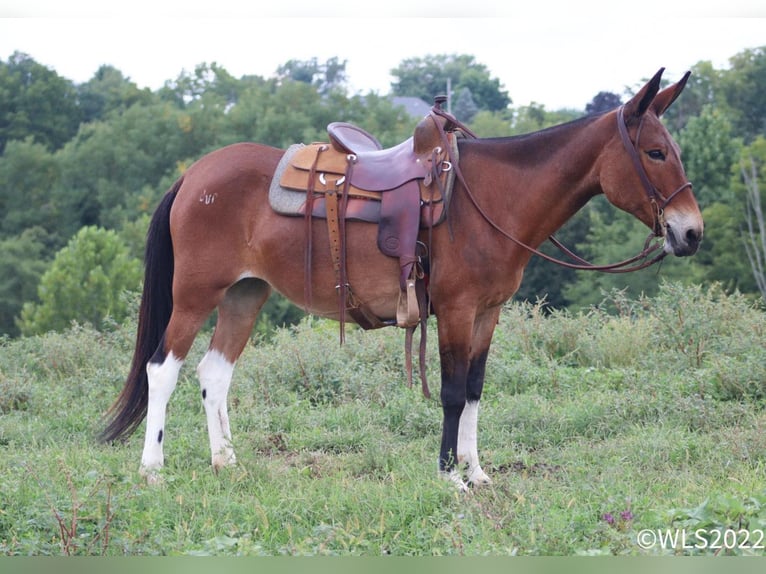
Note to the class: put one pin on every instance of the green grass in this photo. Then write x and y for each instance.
(593, 427)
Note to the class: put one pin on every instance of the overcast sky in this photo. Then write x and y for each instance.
(560, 59)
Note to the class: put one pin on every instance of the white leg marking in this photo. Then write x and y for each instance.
(162, 379)
(467, 449)
(215, 374)
(455, 478)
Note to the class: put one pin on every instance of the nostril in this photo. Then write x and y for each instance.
(693, 236)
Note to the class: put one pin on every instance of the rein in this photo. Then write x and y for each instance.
(655, 197)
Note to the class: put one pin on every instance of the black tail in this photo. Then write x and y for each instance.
(129, 409)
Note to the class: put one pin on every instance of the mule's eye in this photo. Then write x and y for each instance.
(656, 154)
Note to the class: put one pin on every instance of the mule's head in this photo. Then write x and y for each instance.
(643, 174)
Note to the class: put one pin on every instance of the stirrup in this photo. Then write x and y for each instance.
(407, 309)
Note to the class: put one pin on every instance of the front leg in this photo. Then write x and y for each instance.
(453, 394)
(455, 328)
(467, 444)
(467, 447)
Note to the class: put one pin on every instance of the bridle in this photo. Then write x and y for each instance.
(658, 201)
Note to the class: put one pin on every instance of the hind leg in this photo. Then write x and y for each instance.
(162, 375)
(236, 317)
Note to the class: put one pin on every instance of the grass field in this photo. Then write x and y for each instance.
(599, 430)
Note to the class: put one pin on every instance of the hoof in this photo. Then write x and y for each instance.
(152, 476)
(224, 460)
(478, 477)
(455, 478)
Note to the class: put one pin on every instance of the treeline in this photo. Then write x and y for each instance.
(82, 167)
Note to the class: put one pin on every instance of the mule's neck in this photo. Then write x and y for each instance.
(545, 176)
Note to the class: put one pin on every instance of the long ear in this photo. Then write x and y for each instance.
(667, 96)
(638, 104)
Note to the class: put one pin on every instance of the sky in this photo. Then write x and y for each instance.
(556, 55)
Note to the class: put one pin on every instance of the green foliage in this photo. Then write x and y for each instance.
(36, 102)
(324, 77)
(709, 150)
(703, 89)
(535, 117)
(743, 88)
(464, 107)
(22, 263)
(427, 77)
(27, 174)
(490, 124)
(108, 163)
(602, 102)
(724, 525)
(722, 257)
(718, 334)
(109, 92)
(84, 283)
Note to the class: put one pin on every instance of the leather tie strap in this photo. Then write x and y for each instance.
(308, 251)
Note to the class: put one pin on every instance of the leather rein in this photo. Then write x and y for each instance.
(658, 201)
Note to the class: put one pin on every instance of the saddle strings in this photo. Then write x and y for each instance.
(309, 218)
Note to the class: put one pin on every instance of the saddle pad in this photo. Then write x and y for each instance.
(286, 201)
(293, 203)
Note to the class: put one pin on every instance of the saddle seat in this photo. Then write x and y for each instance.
(346, 137)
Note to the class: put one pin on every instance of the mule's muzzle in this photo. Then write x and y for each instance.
(682, 241)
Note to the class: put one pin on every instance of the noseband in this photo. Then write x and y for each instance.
(658, 201)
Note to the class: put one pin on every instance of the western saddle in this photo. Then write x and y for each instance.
(404, 188)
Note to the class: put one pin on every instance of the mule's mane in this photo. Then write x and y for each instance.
(536, 147)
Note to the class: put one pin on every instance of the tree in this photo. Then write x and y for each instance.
(755, 239)
(722, 258)
(547, 280)
(84, 283)
(709, 150)
(209, 80)
(325, 77)
(464, 107)
(535, 117)
(22, 263)
(428, 77)
(602, 102)
(28, 172)
(703, 88)
(106, 167)
(752, 169)
(744, 86)
(491, 124)
(109, 91)
(36, 102)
